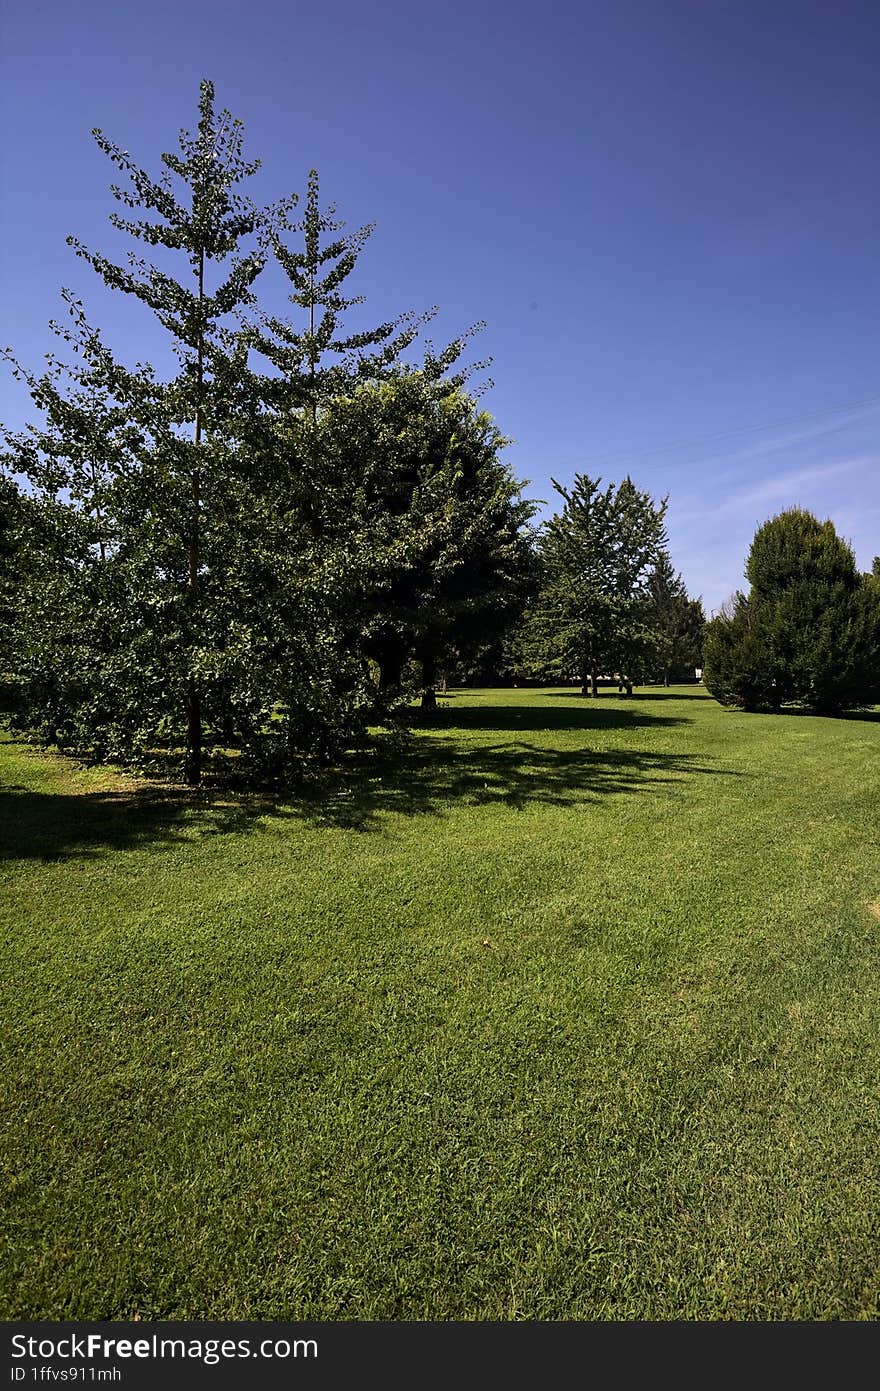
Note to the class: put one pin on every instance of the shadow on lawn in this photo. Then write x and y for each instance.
(48, 826)
(586, 716)
(428, 775)
(639, 694)
(436, 774)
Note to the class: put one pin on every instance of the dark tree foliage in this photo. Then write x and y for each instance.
(677, 622)
(496, 658)
(808, 631)
(443, 524)
(591, 616)
(736, 669)
(16, 563)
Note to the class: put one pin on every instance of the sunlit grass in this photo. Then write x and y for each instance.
(570, 1012)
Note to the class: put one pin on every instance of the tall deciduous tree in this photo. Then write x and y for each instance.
(208, 227)
(159, 495)
(597, 553)
(378, 461)
(317, 359)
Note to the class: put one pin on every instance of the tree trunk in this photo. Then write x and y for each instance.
(594, 680)
(628, 685)
(666, 678)
(390, 670)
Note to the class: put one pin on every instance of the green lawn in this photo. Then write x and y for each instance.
(571, 1013)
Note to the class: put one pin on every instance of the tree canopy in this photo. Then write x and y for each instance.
(442, 518)
(596, 554)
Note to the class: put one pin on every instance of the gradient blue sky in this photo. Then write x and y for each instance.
(667, 213)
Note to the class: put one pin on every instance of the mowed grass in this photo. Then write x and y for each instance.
(570, 1012)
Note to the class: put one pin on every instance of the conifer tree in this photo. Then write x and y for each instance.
(808, 631)
(590, 616)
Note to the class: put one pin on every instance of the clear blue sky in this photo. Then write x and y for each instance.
(667, 213)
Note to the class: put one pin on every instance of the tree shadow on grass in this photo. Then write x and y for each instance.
(639, 694)
(56, 826)
(436, 775)
(425, 776)
(587, 716)
(867, 716)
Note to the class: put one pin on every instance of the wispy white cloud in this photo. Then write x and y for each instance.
(791, 487)
(787, 485)
(777, 444)
(710, 535)
(717, 500)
